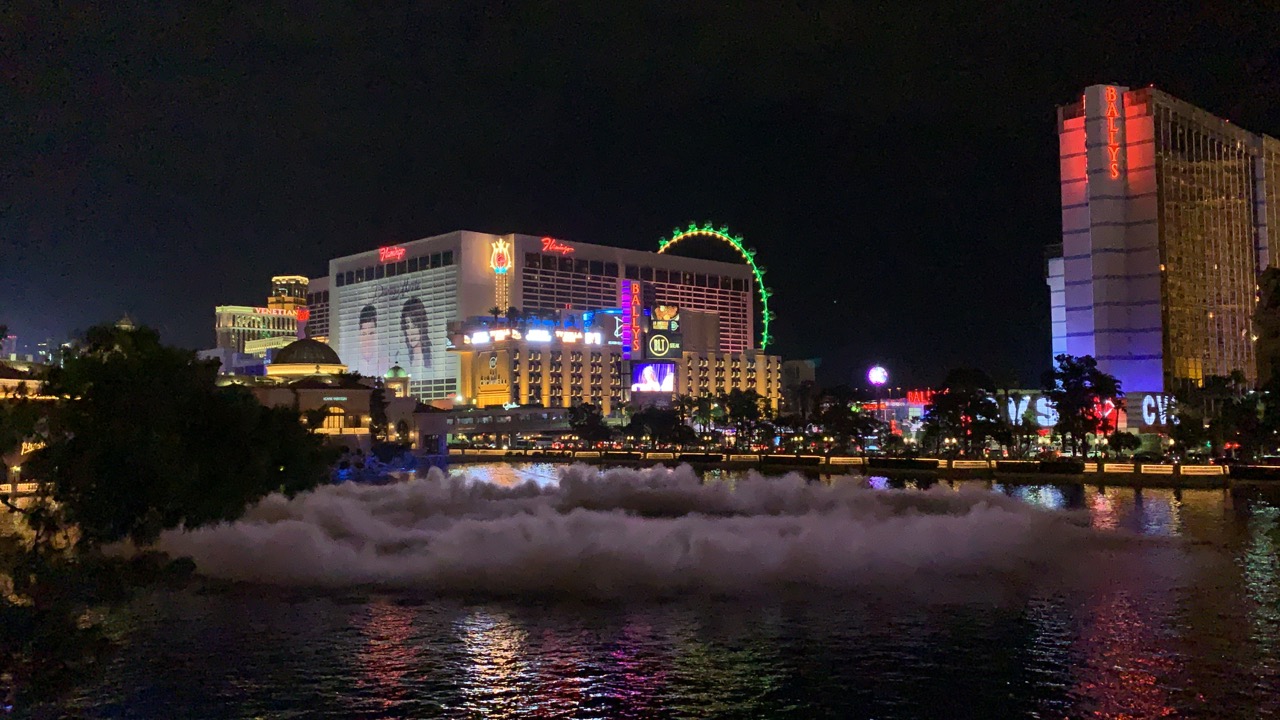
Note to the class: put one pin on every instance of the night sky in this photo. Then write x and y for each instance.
(895, 168)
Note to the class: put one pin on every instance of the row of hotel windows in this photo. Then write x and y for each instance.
(633, 272)
(318, 298)
(412, 265)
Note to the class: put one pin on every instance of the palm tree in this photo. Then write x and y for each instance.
(706, 410)
(496, 312)
(513, 314)
(684, 406)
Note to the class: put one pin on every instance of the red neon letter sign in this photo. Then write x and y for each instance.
(393, 253)
(552, 245)
(1113, 143)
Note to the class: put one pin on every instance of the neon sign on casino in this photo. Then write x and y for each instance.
(392, 253)
(552, 245)
(500, 258)
(1113, 143)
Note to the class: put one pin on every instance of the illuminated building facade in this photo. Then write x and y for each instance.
(237, 325)
(1167, 215)
(393, 305)
(317, 324)
(574, 360)
(716, 373)
(288, 292)
(552, 363)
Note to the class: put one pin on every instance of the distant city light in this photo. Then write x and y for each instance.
(878, 376)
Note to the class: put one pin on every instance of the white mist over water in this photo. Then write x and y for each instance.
(639, 533)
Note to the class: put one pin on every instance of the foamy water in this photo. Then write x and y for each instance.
(636, 533)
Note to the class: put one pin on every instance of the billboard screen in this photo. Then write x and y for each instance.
(653, 378)
(401, 320)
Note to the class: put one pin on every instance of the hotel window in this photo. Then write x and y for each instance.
(368, 272)
(646, 273)
(413, 264)
(611, 269)
(391, 270)
(633, 272)
(359, 276)
(446, 259)
(340, 278)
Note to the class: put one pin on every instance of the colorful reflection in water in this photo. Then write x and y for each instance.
(1185, 625)
(498, 671)
(388, 654)
(1261, 565)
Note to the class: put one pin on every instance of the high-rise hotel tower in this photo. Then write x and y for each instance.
(1168, 216)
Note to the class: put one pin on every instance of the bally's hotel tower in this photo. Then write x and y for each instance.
(1168, 216)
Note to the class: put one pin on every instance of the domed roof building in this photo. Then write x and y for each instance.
(305, 357)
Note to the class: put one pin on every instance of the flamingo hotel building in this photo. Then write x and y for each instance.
(417, 306)
(1169, 214)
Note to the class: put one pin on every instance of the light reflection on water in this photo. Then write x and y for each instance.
(1187, 628)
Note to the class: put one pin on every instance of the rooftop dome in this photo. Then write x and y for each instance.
(306, 352)
(397, 372)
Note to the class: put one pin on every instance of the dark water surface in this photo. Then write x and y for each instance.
(1197, 637)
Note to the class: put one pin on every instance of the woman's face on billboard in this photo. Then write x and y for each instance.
(414, 328)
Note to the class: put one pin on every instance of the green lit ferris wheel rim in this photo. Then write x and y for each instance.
(748, 256)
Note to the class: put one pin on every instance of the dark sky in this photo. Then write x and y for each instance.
(893, 163)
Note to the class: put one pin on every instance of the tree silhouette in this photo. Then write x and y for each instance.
(1080, 392)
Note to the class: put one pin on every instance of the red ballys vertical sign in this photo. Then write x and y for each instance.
(637, 312)
(632, 310)
(1112, 115)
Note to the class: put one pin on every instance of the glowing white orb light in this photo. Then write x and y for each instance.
(878, 376)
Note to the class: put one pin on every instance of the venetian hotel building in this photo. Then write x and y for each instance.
(1168, 216)
(393, 305)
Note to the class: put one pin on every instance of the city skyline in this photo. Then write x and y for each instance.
(884, 190)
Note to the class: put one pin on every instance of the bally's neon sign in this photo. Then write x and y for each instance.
(552, 245)
(393, 253)
(1113, 132)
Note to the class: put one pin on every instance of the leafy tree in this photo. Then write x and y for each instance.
(707, 410)
(1266, 325)
(1122, 442)
(661, 425)
(378, 423)
(141, 440)
(744, 410)
(587, 422)
(144, 440)
(803, 396)
(851, 428)
(685, 405)
(1230, 414)
(314, 418)
(1077, 390)
(894, 445)
(966, 408)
